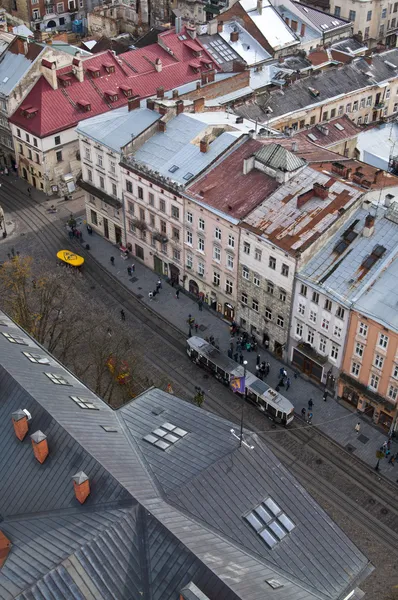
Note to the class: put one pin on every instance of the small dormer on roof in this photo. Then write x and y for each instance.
(66, 80)
(112, 95)
(127, 90)
(84, 105)
(94, 71)
(109, 67)
(29, 111)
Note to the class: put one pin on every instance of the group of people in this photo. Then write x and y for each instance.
(307, 415)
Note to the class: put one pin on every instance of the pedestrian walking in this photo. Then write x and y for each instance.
(389, 444)
(196, 328)
(150, 295)
(29, 192)
(158, 288)
(384, 447)
(229, 353)
(159, 284)
(6, 171)
(154, 293)
(284, 373)
(357, 428)
(392, 459)
(287, 383)
(310, 404)
(200, 304)
(133, 268)
(258, 360)
(129, 271)
(309, 418)
(112, 261)
(236, 357)
(239, 347)
(248, 346)
(325, 396)
(122, 315)
(241, 358)
(303, 413)
(177, 294)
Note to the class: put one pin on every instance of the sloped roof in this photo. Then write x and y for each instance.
(155, 520)
(277, 157)
(58, 110)
(323, 20)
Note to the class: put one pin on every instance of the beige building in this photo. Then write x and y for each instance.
(376, 20)
(365, 89)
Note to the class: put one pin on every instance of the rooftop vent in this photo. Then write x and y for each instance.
(312, 137)
(165, 436)
(20, 421)
(339, 127)
(40, 445)
(274, 583)
(5, 546)
(376, 254)
(81, 485)
(158, 410)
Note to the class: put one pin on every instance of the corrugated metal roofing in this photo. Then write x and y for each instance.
(155, 520)
(119, 127)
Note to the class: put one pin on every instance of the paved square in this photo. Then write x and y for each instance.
(350, 448)
(363, 439)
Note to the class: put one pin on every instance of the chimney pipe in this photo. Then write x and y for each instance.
(40, 446)
(204, 145)
(387, 200)
(162, 126)
(175, 94)
(198, 105)
(294, 146)
(160, 93)
(20, 422)
(150, 103)
(5, 546)
(220, 26)
(260, 7)
(378, 175)
(234, 36)
(158, 65)
(81, 485)
(302, 31)
(369, 226)
(180, 106)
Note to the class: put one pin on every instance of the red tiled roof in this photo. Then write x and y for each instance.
(58, 109)
(226, 188)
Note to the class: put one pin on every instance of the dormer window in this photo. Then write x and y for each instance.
(65, 80)
(112, 95)
(83, 105)
(195, 65)
(109, 67)
(28, 111)
(127, 91)
(94, 72)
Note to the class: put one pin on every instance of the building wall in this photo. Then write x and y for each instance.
(159, 214)
(318, 320)
(364, 351)
(265, 285)
(368, 24)
(358, 105)
(218, 261)
(345, 148)
(104, 218)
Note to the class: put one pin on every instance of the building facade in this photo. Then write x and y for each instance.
(265, 283)
(376, 21)
(369, 378)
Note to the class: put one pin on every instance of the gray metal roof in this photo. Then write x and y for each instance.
(12, 68)
(178, 149)
(323, 20)
(118, 127)
(155, 520)
(379, 301)
(339, 270)
(277, 157)
(330, 83)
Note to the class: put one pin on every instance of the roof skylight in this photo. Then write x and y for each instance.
(188, 176)
(173, 169)
(84, 402)
(36, 358)
(271, 524)
(165, 435)
(14, 339)
(57, 379)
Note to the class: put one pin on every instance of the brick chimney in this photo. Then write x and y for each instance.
(150, 104)
(22, 46)
(321, 191)
(175, 94)
(220, 26)
(81, 485)
(204, 145)
(162, 126)
(160, 93)
(40, 446)
(198, 105)
(302, 30)
(158, 65)
(20, 422)
(5, 546)
(369, 226)
(49, 70)
(180, 106)
(134, 103)
(234, 36)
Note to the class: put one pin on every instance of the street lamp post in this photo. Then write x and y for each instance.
(243, 403)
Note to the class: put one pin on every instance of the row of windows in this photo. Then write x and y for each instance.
(175, 211)
(102, 183)
(271, 259)
(268, 313)
(29, 154)
(382, 341)
(100, 160)
(322, 344)
(27, 137)
(374, 381)
(340, 312)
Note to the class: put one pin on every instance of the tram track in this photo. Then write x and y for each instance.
(371, 495)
